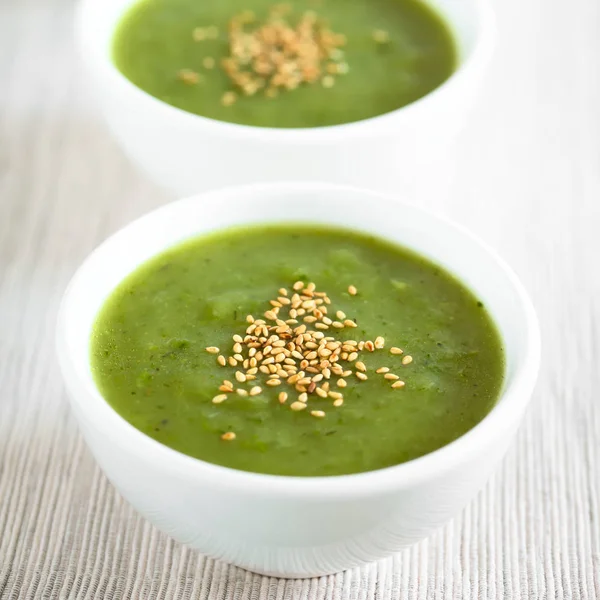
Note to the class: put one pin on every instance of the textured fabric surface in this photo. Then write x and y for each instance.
(527, 179)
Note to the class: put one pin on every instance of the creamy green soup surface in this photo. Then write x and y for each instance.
(374, 56)
(297, 350)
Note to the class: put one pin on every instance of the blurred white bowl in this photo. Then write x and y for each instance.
(287, 526)
(186, 153)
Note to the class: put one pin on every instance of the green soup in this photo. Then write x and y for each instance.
(420, 359)
(394, 52)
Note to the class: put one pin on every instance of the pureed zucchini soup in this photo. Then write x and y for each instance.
(306, 63)
(297, 350)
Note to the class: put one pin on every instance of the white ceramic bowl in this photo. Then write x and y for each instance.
(186, 153)
(286, 526)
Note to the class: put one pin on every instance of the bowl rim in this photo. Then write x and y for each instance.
(497, 423)
(100, 59)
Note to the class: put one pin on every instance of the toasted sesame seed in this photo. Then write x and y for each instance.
(335, 395)
(321, 392)
(318, 413)
(361, 376)
(370, 346)
(282, 397)
(298, 285)
(189, 77)
(391, 376)
(360, 366)
(252, 371)
(350, 323)
(282, 292)
(212, 350)
(256, 390)
(398, 384)
(208, 62)
(249, 319)
(303, 397)
(338, 325)
(232, 362)
(228, 98)
(352, 290)
(328, 81)
(229, 436)
(394, 350)
(381, 36)
(296, 406)
(273, 382)
(220, 398)
(352, 356)
(338, 402)
(199, 34)
(407, 360)
(346, 373)
(221, 360)
(379, 342)
(341, 315)
(237, 348)
(225, 388)
(321, 326)
(240, 376)
(238, 338)
(382, 370)
(241, 392)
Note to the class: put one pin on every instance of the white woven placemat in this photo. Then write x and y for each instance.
(528, 180)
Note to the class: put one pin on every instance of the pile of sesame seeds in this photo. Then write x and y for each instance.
(295, 347)
(277, 54)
